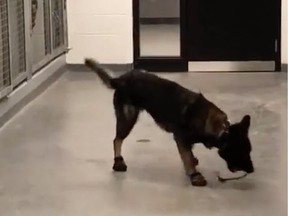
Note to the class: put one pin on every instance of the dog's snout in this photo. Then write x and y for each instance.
(250, 170)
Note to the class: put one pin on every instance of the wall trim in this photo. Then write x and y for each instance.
(159, 20)
(113, 67)
(29, 90)
(230, 66)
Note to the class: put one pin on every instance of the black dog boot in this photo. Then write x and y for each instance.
(197, 179)
(119, 164)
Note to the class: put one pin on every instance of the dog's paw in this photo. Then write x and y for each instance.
(197, 179)
(119, 165)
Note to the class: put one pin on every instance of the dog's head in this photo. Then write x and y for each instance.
(236, 147)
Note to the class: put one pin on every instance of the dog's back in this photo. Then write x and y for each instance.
(166, 101)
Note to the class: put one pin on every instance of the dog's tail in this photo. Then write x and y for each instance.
(101, 71)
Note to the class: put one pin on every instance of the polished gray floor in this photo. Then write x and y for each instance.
(56, 154)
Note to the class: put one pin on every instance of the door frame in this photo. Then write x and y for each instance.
(181, 63)
(278, 57)
(160, 63)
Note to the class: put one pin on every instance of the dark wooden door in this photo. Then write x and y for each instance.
(232, 30)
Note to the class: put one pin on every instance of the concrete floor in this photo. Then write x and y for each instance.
(56, 154)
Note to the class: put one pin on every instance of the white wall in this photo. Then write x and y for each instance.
(101, 29)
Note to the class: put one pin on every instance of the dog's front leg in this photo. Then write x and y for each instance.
(190, 163)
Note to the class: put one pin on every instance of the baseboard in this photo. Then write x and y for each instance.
(159, 20)
(113, 67)
(231, 66)
(28, 91)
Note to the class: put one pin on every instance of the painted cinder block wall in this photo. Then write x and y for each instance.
(103, 29)
(100, 29)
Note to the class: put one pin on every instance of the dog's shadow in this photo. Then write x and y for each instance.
(158, 174)
(174, 176)
(245, 184)
(240, 185)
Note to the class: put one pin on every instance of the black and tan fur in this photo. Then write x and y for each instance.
(189, 116)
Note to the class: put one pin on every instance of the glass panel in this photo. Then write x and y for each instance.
(40, 23)
(159, 27)
(57, 23)
(47, 28)
(4, 46)
(17, 37)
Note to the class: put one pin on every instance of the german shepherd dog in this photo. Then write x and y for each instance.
(189, 116)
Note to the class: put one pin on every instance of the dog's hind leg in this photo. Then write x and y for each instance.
(126, 116)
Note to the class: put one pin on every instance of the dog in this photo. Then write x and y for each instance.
(189, 116)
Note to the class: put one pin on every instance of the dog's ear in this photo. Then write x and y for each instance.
(245, 122)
